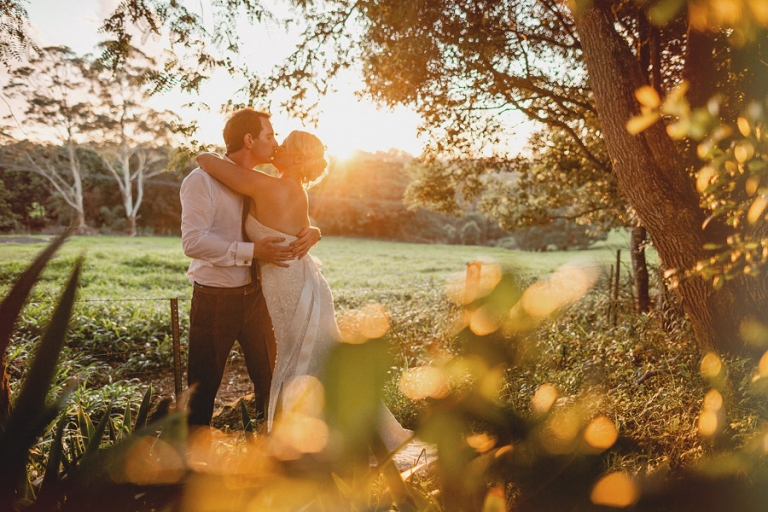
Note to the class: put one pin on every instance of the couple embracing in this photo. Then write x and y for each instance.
(248, 235)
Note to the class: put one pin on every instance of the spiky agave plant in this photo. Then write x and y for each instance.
(30, 413)
(88, 473)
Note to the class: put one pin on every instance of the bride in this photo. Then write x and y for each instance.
(298, 297)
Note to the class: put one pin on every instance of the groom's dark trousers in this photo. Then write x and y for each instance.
(218, 317)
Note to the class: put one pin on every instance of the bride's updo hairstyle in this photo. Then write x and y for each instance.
(310, 156)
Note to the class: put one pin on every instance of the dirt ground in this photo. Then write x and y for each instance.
(235, 384)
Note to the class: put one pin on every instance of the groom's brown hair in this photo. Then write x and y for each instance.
(240, 123)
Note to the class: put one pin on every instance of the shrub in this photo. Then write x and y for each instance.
(470, 233)
(560, 234)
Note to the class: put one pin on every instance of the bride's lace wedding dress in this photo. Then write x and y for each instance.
(301, 307)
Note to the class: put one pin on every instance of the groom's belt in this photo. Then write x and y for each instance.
(238, 290)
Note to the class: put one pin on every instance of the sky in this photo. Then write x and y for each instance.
(346, 123)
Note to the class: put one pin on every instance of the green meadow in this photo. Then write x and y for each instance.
(356, 269)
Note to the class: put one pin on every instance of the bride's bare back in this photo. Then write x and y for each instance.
(281, 204)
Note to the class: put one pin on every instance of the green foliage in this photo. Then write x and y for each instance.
(559, 195)
(194, 49)
(556, 181)
(518, 403)
(81, 464)
(14, 33)
(8, 219)
(107, 342)
(103, 126)
(732, 182)
(134, 138)
(30, 412)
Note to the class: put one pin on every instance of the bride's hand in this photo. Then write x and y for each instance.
(266, 250)
(307, 238)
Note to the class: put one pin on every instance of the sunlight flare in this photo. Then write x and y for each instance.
(543, 399)
(566, 285)
(482, 442)
(615, 490)
(484, 321)
(480, 278)
(152, 461)
(711, 365)
(424, 382)
(708, 423)
(299, 428)
(558, 437)
(601, 433)
(369, 322)
(713, 401)
(763, 365)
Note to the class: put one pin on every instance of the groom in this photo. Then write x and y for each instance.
(227, 303)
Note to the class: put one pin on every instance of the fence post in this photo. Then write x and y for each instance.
(609, 310)
(473, 281)
(176, 348)
(616, 288)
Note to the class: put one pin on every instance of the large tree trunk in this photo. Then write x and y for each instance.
(653, 175)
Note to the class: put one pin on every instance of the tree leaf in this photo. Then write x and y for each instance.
(648, 97)
(639, 123)
(664, 10)
(98, 433)
(54, 456)
(30, 414)
(247, 423)
(141, 417)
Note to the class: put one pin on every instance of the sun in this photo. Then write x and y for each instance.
(341, 151)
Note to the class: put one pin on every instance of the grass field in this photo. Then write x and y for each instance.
(356, 269)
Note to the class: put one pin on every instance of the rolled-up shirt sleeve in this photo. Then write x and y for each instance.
(198, 239)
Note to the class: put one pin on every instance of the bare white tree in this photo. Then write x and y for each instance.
(135, 137)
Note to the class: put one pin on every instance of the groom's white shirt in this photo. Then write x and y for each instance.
(211, 232)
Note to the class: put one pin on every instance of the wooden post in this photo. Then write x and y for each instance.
(640, 269)
(176, 348)
(663, 312)
(616, 288)
(473, 281)
(610, 294)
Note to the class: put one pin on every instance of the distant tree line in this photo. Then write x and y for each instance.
(28, 204)
(372, 195)
(362, 196)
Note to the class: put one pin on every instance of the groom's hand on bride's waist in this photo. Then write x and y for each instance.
(266, 250)
(307, 238)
